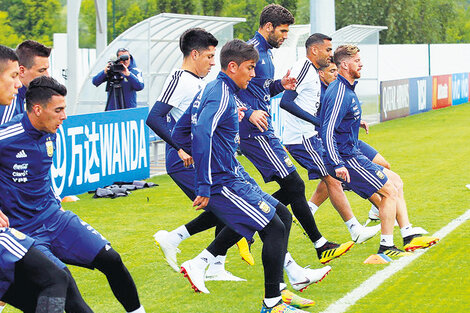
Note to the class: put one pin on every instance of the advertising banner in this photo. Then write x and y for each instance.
(95, 150)
(394, 99)
(441, 91)
(420, 94)
(459, 88)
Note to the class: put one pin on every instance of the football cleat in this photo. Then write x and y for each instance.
(392, 251)
(195, 276)
(169, 250)
(414, 242)
(244, 248)
(222, 275)
(366, 233)
(309, 276)
(331, 250)
(281, 307)
(290, 298)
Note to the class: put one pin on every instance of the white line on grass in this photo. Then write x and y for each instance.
(378, 278)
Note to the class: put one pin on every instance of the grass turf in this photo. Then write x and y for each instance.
(431, 153)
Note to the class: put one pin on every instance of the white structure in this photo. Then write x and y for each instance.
(154, 44)
(322, 16)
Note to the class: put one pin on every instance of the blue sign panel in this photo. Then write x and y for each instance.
(95, 150)
(459, 88)
(420, 94)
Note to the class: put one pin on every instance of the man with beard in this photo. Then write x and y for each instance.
(258, 141)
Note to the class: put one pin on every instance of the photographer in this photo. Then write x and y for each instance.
(123, 79)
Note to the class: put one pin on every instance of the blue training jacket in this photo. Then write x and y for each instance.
(260, 89)
(130, 85)
(27, 197)
(7, 112)
(341, 117)
(214, 131)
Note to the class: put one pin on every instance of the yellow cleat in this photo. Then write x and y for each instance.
(281, 307)
(290, 298)
(245, 252)
(331, 250)
(419, 242)
(392, 251)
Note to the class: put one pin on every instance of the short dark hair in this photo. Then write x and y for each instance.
(344, 52)
(196, 39)
(29, 49)
(276, 14)
(6, 54)
(237, 51)
(40, 91)
(316, 38)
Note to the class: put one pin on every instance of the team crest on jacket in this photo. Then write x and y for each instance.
(19, 235)
(288, 162)
(264, 207)
(380, 174)
(49, 148)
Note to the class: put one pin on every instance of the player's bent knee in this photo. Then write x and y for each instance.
(395, 179)
(388, 191)
(108, 260)
(293, 184)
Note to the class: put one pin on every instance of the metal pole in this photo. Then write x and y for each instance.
(114, 19)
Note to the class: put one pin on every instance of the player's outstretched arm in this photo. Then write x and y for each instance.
(288, 104)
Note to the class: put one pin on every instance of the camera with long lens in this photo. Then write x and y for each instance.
(116, 68)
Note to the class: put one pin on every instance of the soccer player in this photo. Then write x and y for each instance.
(28, 280)
(212, 122)
(327, 75)
(26, 151)
(34, 62)
(257, 139)
(198, 48)
(341, 119)
(302, 140)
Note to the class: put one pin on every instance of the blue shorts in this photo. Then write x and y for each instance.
(268, 155)
(366, 177)
(309, 155)
(367, 150)
(13, 247)
(240, 206)
(185, 180)
(64, 238)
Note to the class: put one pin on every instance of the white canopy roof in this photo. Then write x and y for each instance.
(154, 44)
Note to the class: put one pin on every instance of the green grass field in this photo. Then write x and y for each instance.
(431, 152)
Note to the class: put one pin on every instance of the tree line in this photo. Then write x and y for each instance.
(408, 21)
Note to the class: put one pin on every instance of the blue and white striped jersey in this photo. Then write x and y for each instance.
(17, 106)
(308, 99)
(25, 181)
(340, 114)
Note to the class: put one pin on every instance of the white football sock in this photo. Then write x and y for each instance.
(320, 242)
(291, 267)
(203, 259)
(313, 207)
(386, 240)
(218, 265)
(270, 302)
(179, 234)
(406, 231)
(354, 227)
(139, 310)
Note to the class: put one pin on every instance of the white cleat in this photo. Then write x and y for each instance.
(222, 275)
(308, 277)
(169, 250)
(195, 276)
(366, 233)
